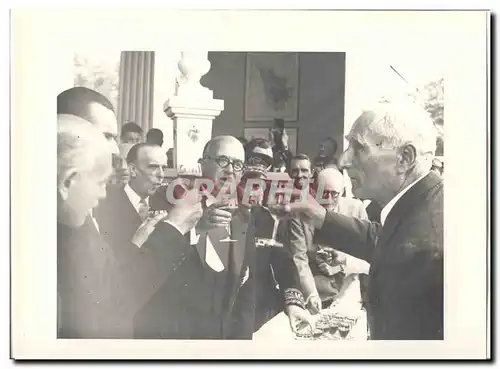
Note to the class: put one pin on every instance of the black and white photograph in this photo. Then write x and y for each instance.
(252, 195)
(319, 282)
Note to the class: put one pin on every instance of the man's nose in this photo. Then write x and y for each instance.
(229, 169)
(345, 159)
(102, 193)
(113, 146)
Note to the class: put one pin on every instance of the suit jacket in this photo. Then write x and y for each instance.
(184, 307)
(373, 210)
(158, 201)
(274, 273)
(83, 262)
(303, 246)
(99, 293)
(118, 219)
(406, 255)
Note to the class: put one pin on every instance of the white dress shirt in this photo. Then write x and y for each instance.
(387, 209)
(94, 220)
(211, 257)
(134, 198)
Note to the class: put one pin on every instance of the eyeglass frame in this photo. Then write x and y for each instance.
(331, 194)
(229, 161)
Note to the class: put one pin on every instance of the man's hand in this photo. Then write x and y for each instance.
(305, 206)
(186, 212)
(214, 216)
(314, 304)
(299, 319)
(329, 270)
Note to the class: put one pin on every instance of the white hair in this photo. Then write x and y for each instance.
(332, 174)
(79, 144)
(398, 123)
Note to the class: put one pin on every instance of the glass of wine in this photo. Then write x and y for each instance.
(230, 205)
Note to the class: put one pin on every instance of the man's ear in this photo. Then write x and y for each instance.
(133, 170)
(67, 181)
(408, 156)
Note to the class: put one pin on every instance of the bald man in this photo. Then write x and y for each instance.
(389, 160)
(320, 282)
(209, 293)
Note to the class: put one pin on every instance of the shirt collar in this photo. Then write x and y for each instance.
(387, 209)
(134, 198)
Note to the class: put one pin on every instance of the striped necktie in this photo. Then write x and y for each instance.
(143, 209)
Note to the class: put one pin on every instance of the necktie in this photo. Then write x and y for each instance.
(143, 209)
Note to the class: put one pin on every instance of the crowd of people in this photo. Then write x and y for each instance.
(141, 258)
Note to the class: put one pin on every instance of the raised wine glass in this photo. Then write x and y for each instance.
(230, 205)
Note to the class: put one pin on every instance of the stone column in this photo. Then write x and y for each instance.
(166, 73)
(193, 110)
(135, 101)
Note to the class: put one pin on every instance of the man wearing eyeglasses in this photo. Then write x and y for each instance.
(209, 291)
(322, 270)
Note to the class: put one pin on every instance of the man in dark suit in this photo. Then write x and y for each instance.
(274, 270)
(127, 206)
(209, 293)
(98, 294)
(219, 289)
(388, 160)
(79, 189)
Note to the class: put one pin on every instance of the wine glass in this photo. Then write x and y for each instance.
(230, 205)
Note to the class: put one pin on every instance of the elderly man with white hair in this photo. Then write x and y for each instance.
(83, 168)
(322, 269)
(391, 147)
(98, 296)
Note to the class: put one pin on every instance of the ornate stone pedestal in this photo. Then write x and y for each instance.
(193, 110)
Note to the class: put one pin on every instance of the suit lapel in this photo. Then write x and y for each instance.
(407, 203)
(239, 228)
(237, 255)
(128, 208)
(201, 246)
(400, 211)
